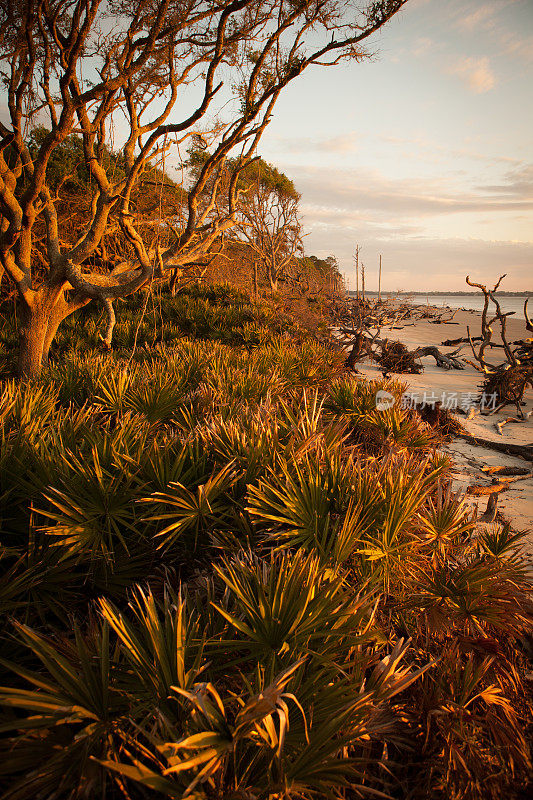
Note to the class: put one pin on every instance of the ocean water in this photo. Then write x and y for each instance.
(475, 302)
(472, 303)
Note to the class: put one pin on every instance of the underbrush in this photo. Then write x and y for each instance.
(225, 574)
(155, 318)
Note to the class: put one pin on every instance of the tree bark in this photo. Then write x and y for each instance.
(57, 315)
(39, 326)
(32, 337)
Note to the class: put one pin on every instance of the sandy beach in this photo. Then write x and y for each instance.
(457, 387)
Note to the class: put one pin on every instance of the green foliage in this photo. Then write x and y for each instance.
(210, 551)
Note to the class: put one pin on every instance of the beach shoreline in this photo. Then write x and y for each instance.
(435, 384)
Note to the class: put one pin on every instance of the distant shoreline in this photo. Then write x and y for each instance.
(372, 292)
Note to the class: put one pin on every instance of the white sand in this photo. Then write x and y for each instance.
(515, 504)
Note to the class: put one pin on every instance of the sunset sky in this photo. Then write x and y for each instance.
(425, 153)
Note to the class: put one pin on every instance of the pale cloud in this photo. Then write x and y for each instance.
(338, 144)
(482, 17)
(370, 192)
(517, 183)
(419, 264)
(520, 47)
(429, 150)
(345, 143)
(492, 18)
(476, 72)
(422, 46)
(391, 217)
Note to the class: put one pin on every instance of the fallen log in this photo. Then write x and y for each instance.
(499, 425)
(482, 491)
(445, 361)
(464, 340)
(501, 470)
(524, 451)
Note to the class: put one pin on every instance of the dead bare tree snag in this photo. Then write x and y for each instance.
(356, 259)
(508, 380)
(80, 66)
(359, 321)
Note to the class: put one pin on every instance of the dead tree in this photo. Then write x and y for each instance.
(69, 62)
(444, 360)
(508, 380)
(356, 259)
(360, 319)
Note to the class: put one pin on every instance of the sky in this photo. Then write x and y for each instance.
(423, 154)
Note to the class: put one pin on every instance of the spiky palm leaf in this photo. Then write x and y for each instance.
(288, 607)
(73, 713)
(162, 642)
(193, 513)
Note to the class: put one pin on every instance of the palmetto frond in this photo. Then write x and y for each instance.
(290, 606)
(156, 398)
(193, 513)
(474, 596)
(73, 702)
(398, 428)
(443, 521)
(112, 390)
(263, 741)
(356, 399)
(162, 642)
(248, 443)
(93, 512)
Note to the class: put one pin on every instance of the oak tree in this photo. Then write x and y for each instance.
(150, 75)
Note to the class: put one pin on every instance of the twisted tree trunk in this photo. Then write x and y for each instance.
(41, 318)
(32, 335)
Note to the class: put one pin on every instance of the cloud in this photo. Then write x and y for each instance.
(482, 17)
(345, 143)
(370, 192)
(518, 183)
(429, 150)
(476, 72)
(494, 19)
(422, 46)
(391, 217)
(338, 144)
(517, 46)
(419, 264)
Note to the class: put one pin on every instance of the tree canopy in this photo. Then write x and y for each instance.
(150, 72)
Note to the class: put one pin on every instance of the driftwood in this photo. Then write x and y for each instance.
(499, 485)
(358, 321)
(439, 321)
(448, 361)
(499, 425)
(492, 508)
(478, 490)
(529, 324)
(452, 342)
(501, 470)
(524, 451)
(506, 381)
(395, 357)
(466, 340)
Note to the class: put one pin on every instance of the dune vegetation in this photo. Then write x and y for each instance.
(225, 574)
